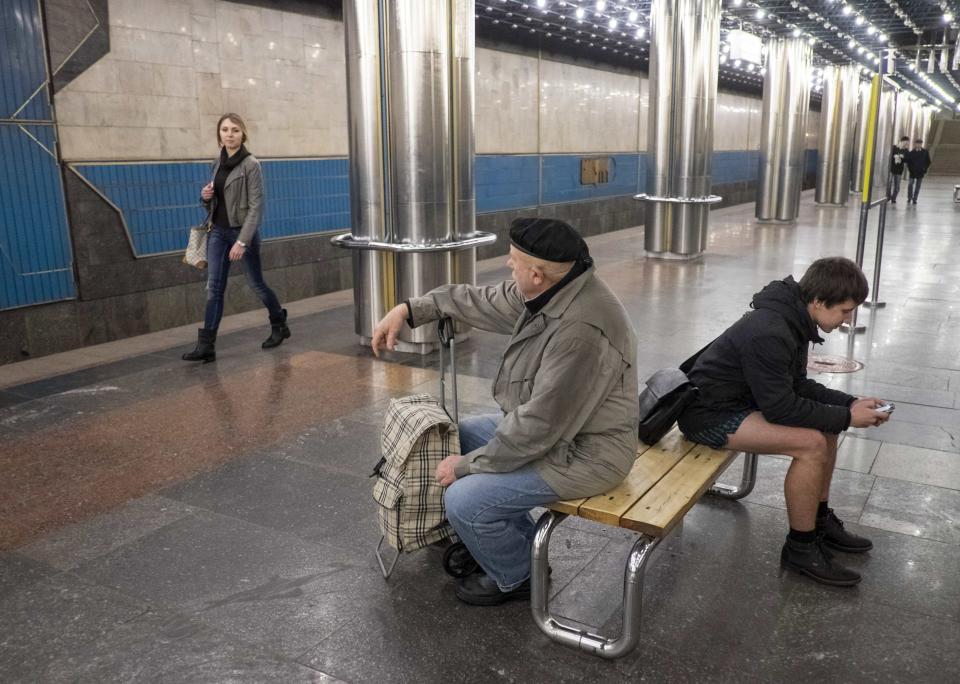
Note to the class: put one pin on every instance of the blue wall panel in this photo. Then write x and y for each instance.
(511, 181)
(561, 178)
(161, 201)
(35, 257)
(506, 181)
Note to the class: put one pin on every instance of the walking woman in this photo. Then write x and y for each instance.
(236, 198)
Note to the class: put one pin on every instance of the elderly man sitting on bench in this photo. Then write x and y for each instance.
(567, 390)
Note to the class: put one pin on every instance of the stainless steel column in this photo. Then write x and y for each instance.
(926, 123)
(786, 101)
(373, 288)
(837, 129)
(684, 38)
(860, 146)
(411, 105)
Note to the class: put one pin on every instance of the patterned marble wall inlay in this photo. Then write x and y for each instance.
(77, 36)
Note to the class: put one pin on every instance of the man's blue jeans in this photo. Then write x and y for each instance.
(218, 265)
(491, 511)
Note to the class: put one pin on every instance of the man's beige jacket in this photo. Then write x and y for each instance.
(567, 383)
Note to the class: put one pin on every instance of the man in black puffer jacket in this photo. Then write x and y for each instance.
(754, 396)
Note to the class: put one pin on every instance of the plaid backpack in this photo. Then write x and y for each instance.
(417, 435)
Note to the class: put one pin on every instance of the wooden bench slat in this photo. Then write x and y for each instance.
(665, 505)
(648, 469)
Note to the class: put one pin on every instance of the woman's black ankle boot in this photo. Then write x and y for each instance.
(278, 331)
(206, 347)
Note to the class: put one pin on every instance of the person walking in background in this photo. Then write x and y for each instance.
(917, 161)
(235, 201)
(896, 167)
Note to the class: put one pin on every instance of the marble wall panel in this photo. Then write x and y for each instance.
(507, 91)
(587, 110)
(813, 130)
(732, 122)
(755, 105)
(154, 47)
(176, 65)
(643, 114)
(175, 16)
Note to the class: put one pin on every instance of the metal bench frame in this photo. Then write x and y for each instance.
(632, 578)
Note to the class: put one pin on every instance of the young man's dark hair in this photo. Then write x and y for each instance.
(833, 280)
(906, 137)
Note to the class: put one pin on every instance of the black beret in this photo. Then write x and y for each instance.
(548, 239)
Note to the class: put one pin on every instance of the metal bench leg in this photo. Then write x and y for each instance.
(572, 636)
(747, 480)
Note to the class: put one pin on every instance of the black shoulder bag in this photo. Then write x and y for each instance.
(667, 393)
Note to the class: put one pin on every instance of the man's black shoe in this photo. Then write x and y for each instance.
(480, 590)
(814, 561)
(836, 537)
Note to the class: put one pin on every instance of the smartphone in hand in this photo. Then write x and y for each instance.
(885, 408)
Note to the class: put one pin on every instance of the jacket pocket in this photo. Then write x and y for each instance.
(520, 391)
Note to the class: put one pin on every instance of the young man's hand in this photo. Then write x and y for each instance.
(862, 413)
(385, 334)
(446, 470)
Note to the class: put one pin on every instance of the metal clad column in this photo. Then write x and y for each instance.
(685, 36)
(373, 288)
(411, 104)
(463, 70)
(837, 129)
(419, 129)
(786, 100)
(860, 148)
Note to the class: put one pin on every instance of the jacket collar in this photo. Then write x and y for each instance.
(530, 324)
(560, 301)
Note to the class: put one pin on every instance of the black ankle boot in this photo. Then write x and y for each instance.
(816, 562)
(205, 350)
(837, 537)
(278, 331)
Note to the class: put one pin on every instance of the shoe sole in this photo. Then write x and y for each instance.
(488, 601)
(821, 580)
(847, 549)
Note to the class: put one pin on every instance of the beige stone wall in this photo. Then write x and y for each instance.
(175, 66)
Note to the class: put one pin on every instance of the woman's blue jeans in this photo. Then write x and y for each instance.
(218, 269)
(491, 511)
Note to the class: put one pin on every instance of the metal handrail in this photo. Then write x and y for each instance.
(477, 239)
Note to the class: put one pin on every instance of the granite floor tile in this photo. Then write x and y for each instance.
(71, 545)
(264, 586)
(858, 454)
(18, 572)
(424, 634)
(899, 431)
(166, 647)
(42, 620)
(317, 504)
(915, 464)
(905, 572)
(829, 637)
(912, 509)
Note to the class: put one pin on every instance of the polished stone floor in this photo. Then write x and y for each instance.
(177, 523)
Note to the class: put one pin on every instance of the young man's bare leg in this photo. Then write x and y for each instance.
(807, 478)
(829, 526)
